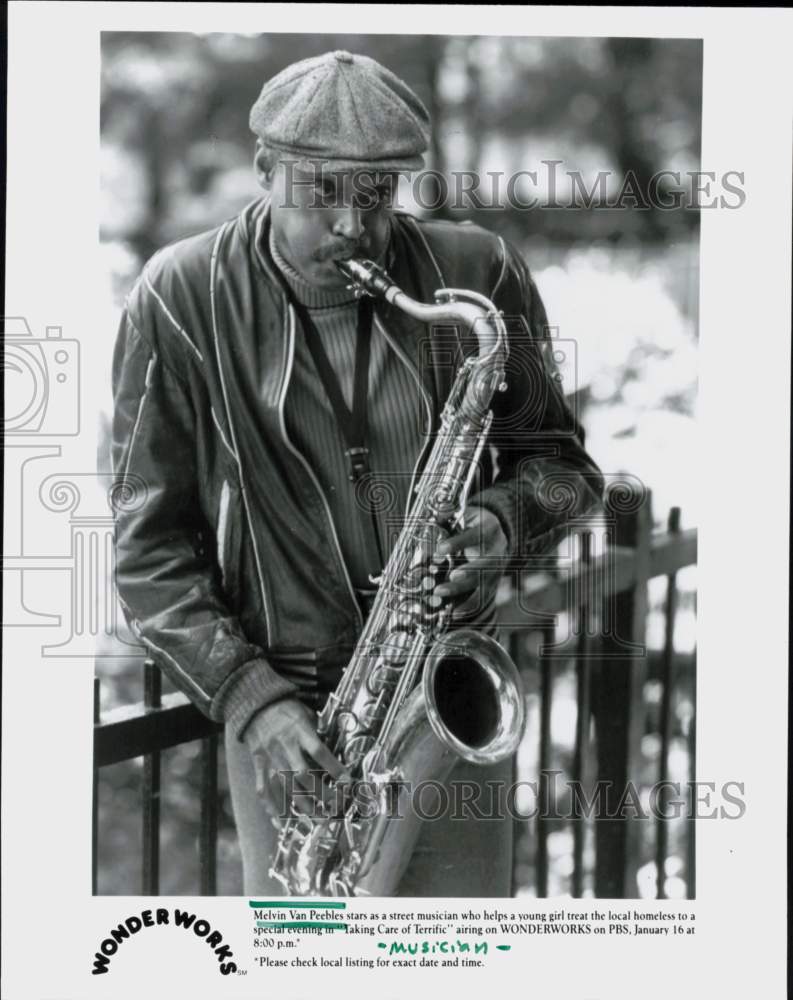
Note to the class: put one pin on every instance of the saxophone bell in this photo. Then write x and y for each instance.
(469, 705)
(473, 696)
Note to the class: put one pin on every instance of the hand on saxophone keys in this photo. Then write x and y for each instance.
(293, 766)
(484, 545)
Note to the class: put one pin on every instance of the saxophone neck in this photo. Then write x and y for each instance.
(452, 305)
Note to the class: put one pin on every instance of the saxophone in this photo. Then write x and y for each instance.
(415, 696)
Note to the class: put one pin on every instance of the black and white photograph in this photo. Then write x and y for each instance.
(394, 567)
(301, 418)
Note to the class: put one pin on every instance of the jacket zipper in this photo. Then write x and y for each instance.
(243, 491)
(290, 347)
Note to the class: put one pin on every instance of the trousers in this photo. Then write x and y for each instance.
(465, 852)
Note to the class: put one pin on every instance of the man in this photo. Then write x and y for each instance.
(266, 412)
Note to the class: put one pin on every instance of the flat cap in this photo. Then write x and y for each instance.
(344, 108)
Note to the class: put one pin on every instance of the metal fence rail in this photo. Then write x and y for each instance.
(606, 597)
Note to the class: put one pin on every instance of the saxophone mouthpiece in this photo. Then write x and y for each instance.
(366, 276)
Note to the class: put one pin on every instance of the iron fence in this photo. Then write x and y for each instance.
(602, 590)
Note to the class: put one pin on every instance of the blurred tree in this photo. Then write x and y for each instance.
(175, 108)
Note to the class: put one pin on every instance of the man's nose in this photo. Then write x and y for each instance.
(348, 223)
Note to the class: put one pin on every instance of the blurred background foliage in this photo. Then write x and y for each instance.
(620, 286)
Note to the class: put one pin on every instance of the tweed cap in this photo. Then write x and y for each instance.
(344, 108)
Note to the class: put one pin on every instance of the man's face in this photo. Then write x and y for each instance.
(320, 215)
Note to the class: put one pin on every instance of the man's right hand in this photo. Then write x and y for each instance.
(283, 738)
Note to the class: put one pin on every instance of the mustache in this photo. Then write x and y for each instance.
(341, 248)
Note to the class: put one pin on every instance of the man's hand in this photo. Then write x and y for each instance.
(484, 544)
(283, 738)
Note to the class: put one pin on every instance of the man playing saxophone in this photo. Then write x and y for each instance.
(279, 423)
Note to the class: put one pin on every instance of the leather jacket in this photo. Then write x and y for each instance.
(228, 564)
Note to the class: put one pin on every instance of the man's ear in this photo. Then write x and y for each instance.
(263, 165)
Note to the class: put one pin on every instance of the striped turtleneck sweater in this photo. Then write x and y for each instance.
(396, 418)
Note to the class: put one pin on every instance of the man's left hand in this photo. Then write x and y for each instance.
(484, 545)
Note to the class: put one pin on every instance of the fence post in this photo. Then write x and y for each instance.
(583, 704)
(544, 797)
(95, 800)
(618, 704)
(150, 788)
(208, 836)
(668, 681)
(691, 823)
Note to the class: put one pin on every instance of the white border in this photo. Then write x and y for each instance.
(52, 925)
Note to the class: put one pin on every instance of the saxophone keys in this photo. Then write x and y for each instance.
(414, 578)
(382, 680)
(395, 647)
(406, 613)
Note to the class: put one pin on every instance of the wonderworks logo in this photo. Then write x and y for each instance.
(160, 917)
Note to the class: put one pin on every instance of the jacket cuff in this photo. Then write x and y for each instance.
(500, 500)
(252, 687)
